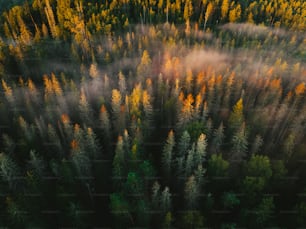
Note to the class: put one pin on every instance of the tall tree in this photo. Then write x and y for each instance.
(191, 193)
(240, 144)
(236, 117)
(167, 156)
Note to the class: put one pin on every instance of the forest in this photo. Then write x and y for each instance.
(153, 114)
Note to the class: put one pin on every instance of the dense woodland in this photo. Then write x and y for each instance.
(153, 114)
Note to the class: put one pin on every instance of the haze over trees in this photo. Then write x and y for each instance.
(152, 114)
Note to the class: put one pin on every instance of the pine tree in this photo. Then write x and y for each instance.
(184, 144)
(36, 164)
(187, 111)
(257, 144)
(48, 87)
(224, 9)
(191, 192)
(156, 195)
(167, 153)
(208, 13)
(85, 109)
(51, 19)
(8, 144)
(54, 140)
(144, 68)
(188, 10)
(200, 152)
(122, 84)
(197, 106)
(165, 200)
(240, 144)
(147, 107)
(9, 171)
(190, 161)
(235, 13)
(168, 220)
(199, 175)
(8, 92)
(91, 144)
(135, 100)
(289, 145)
(81, 164)
(217, 166)
(119, 160)
(56, 85)
(218, 138)
(105, 123)
(236, 117)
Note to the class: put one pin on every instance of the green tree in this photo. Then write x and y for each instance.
(133, 185)
(183, 144)
(200, 151)
(9, 171)
(167, 153)
(192, 219)
(36, 164)
(120, 209)
(257, 175)
(218, 138)
(105, 123)
(230, 200)
(119, 161)
(257, 144)
(239, 144)
(236, 117)
(85, 109)
(156, 195)
(165, 200)
(191, 192)
(264, 212)
(217, 166)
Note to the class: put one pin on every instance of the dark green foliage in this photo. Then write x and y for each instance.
(217, 166)
(230, 200)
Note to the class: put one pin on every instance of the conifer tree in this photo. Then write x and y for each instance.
(165, 200)
(183, 144)
(200, 151)
(224, 9)
(218, 138)
(147, 107)
(240, 144)
(186, 114)
(190, 161)
(208, 13)
(56, 85)
(191, 192)
(119, 160)
(156, 195)
(122, 84)
(105, 123)
(168, 153)
(144, 68)
(37, 164)
(85, 109)
(91, 144)
(236, 117)
(257, 144)
(9, 171)
(51, 19)
(116, 103)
